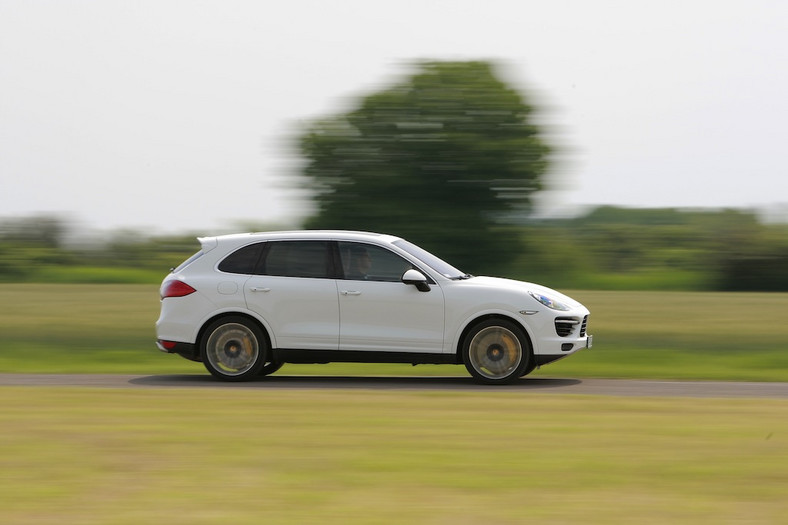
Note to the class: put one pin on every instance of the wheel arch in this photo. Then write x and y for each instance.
(232, 313)
(485, 317)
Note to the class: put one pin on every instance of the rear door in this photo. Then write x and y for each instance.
(295, 293)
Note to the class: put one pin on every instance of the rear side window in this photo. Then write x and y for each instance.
(298, 259)
(242, 261)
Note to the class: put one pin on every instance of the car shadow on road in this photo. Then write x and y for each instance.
(350, 382)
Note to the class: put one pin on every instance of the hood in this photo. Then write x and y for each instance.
(522, 286)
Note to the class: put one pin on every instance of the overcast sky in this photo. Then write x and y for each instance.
(175, 116)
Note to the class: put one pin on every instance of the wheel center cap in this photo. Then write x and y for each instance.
(232, 349)
(495, 352)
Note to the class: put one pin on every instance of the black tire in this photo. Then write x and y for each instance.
(269, 368)
(530, 367)
(496, 352)
(234, 348)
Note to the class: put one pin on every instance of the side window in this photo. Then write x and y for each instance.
(371, 263)
(297, 259)
(243, 260)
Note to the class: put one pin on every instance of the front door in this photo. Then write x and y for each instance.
(378, 312)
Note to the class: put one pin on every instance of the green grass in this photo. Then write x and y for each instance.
(669, 335)
(80, 328)
(235, 455)
(94, 275)
(228, 455)
(642, 279)
(647, 279)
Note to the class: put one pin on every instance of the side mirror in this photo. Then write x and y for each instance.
(417, 279)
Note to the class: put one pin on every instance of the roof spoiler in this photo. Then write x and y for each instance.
(208, 243)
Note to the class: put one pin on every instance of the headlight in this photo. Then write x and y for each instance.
(548, 302)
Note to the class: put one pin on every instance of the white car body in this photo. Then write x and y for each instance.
(335, 317)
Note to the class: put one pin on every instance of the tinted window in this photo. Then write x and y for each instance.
(297, 259)
(243, 260)
(371, 263)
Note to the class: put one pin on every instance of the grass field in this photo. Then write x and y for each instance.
(181, 456)
(230, 455)
(670, 335)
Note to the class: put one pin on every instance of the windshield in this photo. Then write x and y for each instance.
(439, 265)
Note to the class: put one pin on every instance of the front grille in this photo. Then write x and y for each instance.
(583, 326)
(564, 326)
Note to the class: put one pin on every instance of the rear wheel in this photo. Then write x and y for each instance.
(234, 349)
(496, 352)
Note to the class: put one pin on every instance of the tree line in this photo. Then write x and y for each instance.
(605, 248)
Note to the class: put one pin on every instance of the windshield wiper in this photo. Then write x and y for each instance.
(462, 277)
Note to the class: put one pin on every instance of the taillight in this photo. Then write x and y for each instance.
(176, 288)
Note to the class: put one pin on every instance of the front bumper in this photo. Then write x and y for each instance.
(543, 359)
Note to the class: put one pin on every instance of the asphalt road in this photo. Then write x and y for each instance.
(606, 387)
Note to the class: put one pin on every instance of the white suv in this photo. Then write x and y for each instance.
(247, 303)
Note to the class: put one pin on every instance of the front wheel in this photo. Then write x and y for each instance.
(234, 349)
(496, 352)
(270, 367)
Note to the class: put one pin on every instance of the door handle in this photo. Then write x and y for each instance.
(258, 289)
(350, 292)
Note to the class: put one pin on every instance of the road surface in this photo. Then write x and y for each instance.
(607, 387)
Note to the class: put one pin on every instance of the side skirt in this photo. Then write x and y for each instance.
(349, 356)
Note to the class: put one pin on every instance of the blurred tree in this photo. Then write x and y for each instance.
(41, 230)
(28, 243)
(444, 159)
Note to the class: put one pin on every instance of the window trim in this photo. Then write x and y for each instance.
(331, 268)
(255, 265)
(334, 268)
(339, 269)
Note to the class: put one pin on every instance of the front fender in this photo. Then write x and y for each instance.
(463, 327)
